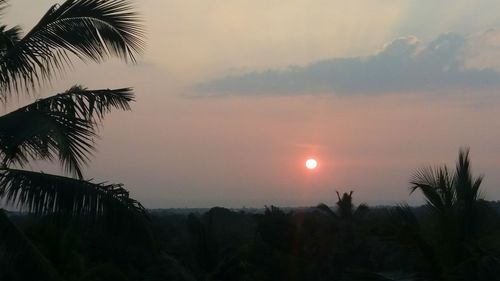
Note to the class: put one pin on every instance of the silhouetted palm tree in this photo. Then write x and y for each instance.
(345, 207)
(62, 127)
(457, 220)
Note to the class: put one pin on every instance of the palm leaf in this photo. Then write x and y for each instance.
(427, 181)
(89, 29)
(62, 126)
(445, 184)
(86, 104)
(467, 190)
(463, 176)
(41, 135)
(475, 187)
(9, 37)
(467, 187)
(3, 6)
(41, 193)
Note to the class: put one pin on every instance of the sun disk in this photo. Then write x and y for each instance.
(311, 164)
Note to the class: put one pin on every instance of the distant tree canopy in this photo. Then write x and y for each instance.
(453, 237)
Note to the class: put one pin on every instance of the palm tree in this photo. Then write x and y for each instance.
(62, 127)
(458, 248)
(345, 239)
(345, 208)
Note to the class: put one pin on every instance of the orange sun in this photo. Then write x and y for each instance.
(311, 164)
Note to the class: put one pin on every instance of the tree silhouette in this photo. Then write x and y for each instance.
(345, 208)
(63, 127)
(458, 218)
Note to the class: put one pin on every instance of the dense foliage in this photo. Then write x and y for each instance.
(453, 237)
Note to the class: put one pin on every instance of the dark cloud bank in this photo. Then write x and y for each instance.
(404, 65)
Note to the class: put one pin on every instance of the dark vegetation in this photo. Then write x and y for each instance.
(453, 237)
(76, 229)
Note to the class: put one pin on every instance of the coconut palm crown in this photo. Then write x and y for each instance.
(452, 229)
(63, 127)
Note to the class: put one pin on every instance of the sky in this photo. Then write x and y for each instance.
(233, 96)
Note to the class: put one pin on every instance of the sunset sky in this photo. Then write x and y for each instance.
(233, 96)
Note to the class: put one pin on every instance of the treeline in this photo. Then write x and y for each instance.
(455, 236)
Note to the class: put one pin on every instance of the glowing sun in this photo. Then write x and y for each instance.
(311, 164)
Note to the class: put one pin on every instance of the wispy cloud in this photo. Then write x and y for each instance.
(403, 65)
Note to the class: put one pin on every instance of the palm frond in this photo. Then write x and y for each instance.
(86, 104)
(41, 193)
(3, 5)
(467, 187)
(9, 37)
(26, 135)
(89, 29)
(463, 175)
(445, 184)
(467, 190)
(427, 181)
(475, 187)
(62, 126)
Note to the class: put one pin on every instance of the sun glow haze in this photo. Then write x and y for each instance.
(311, 164)
(192, 149)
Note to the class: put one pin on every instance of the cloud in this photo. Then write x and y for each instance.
(483, 50)
(403, 65)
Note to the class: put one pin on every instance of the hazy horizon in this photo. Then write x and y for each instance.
(234, 96)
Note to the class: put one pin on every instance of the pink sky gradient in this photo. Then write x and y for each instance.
(175, 150)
